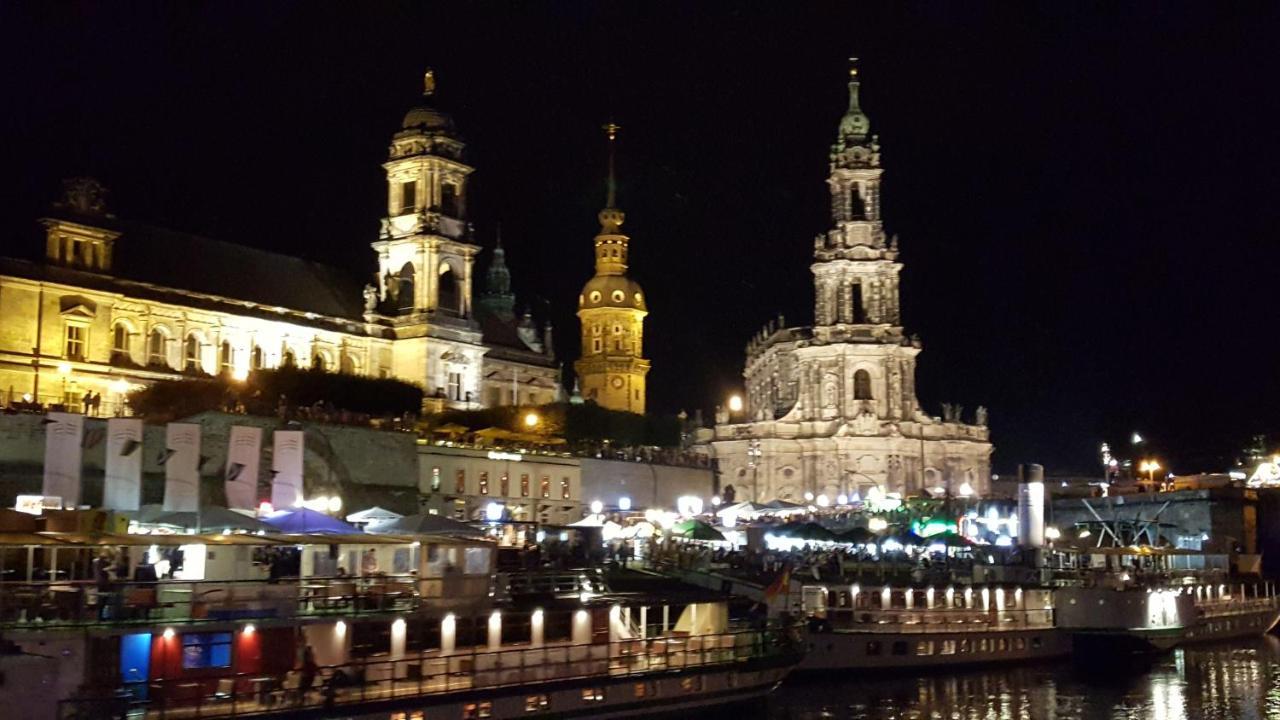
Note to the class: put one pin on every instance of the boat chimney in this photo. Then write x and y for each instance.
(1031, 505)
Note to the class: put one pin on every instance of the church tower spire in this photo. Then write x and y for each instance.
(611, 311)
(855, 266)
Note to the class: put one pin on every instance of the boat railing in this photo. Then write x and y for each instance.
(429, 673)
(935, 620)
(84, 603)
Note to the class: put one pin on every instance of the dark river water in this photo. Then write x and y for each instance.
(1235, 681)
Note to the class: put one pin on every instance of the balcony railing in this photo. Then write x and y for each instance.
(82, 603)
(427, 673)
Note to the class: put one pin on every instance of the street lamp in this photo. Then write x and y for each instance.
(1149, 467)
(531, 420)
(64, 369)
(120, 387)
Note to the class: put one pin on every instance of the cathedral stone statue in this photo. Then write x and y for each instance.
(370, 297)
(980, 416)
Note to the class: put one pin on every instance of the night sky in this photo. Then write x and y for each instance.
(1085, 194)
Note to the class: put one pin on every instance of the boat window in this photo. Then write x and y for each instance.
(370, 638)
(964, 646)
(536, 703)
(593, 694)
(947, 647)
(645, 689)
(1019, 643)
(206, 650)
(924, 647)
(900, 647)
(471, 711)
(873, 647)
(691, 684)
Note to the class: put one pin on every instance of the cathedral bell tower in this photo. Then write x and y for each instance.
(425, 256)
(611, 310)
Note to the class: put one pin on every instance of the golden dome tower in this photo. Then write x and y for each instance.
(611, 311)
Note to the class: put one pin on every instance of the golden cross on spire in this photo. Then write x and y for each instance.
(853, 68)
(611, 129)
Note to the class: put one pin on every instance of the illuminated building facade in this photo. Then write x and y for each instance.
(114, 304)
(831, 408)
(611, 311)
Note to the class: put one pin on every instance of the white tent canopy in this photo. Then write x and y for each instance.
(374, 514)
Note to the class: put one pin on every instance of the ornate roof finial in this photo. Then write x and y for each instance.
(611, 131)
(854, 125)
(429, 83)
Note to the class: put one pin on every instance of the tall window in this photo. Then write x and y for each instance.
(862, 385)
(449, 199)
(460, 483)
(318, 362)
(255, 358)
(504, 488)
(408, 196)
(191, 354)
(226, 358)
(595, 344)
(855, 303)
(120, 342)
(75, 342)
(545, 486)
(288, 359)
(448, 295)
(564, 488)
(435, 479)
(484, 483)
(155, 348)
(524, 486)
(455, 386)
(347, 365)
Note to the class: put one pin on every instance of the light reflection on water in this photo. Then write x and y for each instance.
(1236, 681)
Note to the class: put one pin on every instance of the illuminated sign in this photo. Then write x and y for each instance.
(37, 504)
(513, 457)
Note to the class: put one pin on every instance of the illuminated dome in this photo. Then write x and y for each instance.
(427, 118)
(612, 291)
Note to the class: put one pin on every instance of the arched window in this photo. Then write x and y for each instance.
(347, 364)
(191, 354)
(288, 359)
(404, 289)
(120, 342)
(448, 296)
(255, 358)
(862, 385)
(318, 362)
(449, 200)
(156, 354)
(226, 358)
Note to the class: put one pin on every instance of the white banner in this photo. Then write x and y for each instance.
(244, 447)
(182, 467)
(63, 433)
(286, 463)
(122, 488)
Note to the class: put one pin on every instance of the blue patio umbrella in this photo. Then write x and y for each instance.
(304, 520)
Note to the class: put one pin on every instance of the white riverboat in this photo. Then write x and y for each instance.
(887, 628)
(451, 640)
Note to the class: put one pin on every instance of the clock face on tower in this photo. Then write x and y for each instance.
(616, 382)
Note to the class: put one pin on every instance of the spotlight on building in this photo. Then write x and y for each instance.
(493, 511)
(735, 403)
(823, 500)
(531, 420)
(965, 490)
(597, 507)
(808, 496)
(624, 503)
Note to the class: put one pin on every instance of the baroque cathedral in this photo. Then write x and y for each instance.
(115, 304)
(831, 408)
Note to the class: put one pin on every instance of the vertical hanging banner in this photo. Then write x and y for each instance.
(182, 467)
(286, 466)
(244, 447)
(63, 433)
(122, 489)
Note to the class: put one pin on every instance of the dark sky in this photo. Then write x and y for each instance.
(1085, 193)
